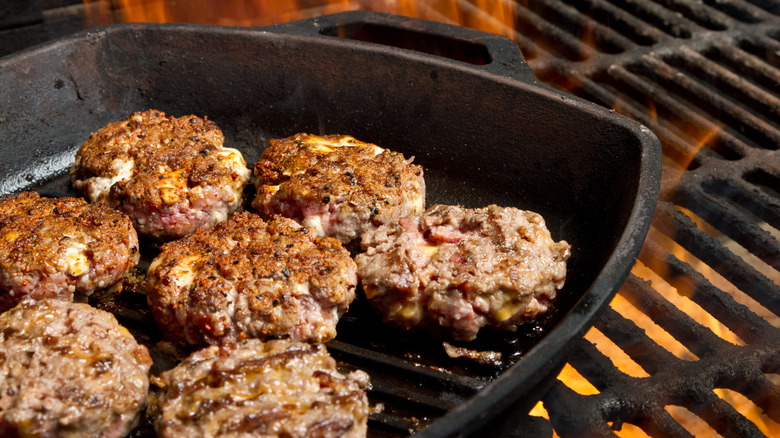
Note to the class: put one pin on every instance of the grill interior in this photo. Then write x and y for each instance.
(704, 76)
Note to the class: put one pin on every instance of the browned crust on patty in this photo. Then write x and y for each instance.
(359, 185)
(251, 278)
(151, 139)
(67, 369)
(276, 388)
(52, 247)
(174, 166)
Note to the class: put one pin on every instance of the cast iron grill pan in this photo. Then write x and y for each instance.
(462, 102)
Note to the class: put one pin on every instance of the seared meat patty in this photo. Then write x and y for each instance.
(69, 369)
(170, 175)
(250, 278)
(456, 270)
(278, 388)
(337, 185)
(55, 247)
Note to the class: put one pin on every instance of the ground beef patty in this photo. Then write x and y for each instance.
(55, 247)
(170, 175)
(278, 388)
(456, 270)
(68, 369)
(250, 278)
(337, 185)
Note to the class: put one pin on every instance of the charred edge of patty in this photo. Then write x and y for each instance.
(336, 184)
(170, 175)
(55, 247)
(251, 278)
(456, 270)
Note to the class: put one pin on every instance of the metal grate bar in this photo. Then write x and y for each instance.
(587, 412)
(690, 283)
(587, 30)
(740, 89)
(618, 20)
(635, 342)
(750, 196)
(626, 26)
(733, 222)
(684, 382)
(760, 131)
(675, 147)
(749, 66)
(722, 416)
(771, 42)
(550, 35)
(738, 10)
(660, 15)
(759, 390)
(681, 229)
(697, 338)
(695, 10)
(599, 370)
(696, 126)
(574, 416)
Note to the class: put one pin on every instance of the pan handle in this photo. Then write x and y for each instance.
(485, 51)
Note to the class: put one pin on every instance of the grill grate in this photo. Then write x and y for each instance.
(703, 76)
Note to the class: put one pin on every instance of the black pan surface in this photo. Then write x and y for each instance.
(462, 102)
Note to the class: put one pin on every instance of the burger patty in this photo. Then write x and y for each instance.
(278, 388)
(67, 369)
(336, 184)
(170, 175)
(456, 270)
(55, 247)
(250, 278)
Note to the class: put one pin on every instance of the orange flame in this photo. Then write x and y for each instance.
(678, 295)
(494, 16)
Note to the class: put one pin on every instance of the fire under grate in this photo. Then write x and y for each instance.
(704, 76)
